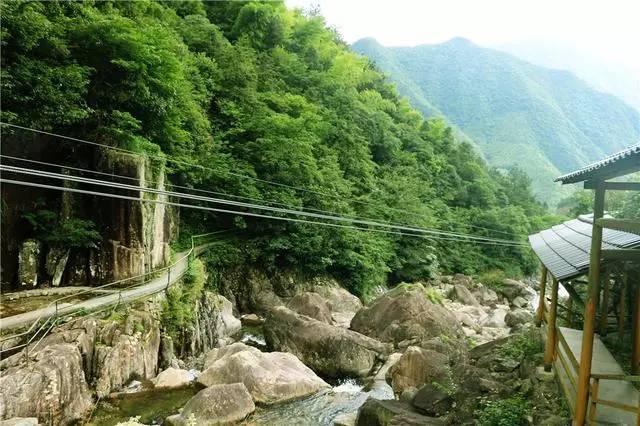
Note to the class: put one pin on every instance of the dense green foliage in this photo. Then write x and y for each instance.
(505, 412)
(256, 89)
(49, 228)
(544, 121)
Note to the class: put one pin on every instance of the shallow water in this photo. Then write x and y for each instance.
(153, 406)
(319, 409)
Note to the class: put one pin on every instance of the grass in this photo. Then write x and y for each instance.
(522, 346)
(504, 412)
(493, 279)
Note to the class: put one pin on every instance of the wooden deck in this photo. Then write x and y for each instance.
(603, 363)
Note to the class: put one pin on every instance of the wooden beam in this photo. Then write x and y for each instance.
(604, 305)
(550, 346)
(570, 311)
(543, 284)
(621, 254)
(586, 353)
(614, 186)
(626, 225)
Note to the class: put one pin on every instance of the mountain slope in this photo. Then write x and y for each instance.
(614, 78)
(544, 121)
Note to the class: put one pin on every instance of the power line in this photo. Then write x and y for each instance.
(242, 213)
(41, 173)
(113, 175)
(168, 159)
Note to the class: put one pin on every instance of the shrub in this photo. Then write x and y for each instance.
(522, 346)
(504, 412)
(492, 278)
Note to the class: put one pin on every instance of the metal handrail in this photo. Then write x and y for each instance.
(56, 302)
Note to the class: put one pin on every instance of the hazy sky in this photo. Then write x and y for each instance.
(607, 29)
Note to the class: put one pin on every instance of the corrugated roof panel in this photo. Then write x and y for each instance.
(612, 162)
(564, 249)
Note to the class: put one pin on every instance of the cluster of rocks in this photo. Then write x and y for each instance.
(414, 341)
(486, 313)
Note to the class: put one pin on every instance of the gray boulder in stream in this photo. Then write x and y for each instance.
(270, 377)
(312, 305)
(215, 405)
(406, 314)
(329, 350)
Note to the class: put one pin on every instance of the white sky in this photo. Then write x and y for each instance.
(606, 29)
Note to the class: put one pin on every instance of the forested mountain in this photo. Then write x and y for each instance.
(545, 121)
(617, 79)
(235, 89)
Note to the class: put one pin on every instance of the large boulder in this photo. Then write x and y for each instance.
(405, 313)
(518, 317)
(270, 378)
(496, 319)
(127, 349)
(172, 378)
(28, 263)
(51, 386)
(416, 367)
(342, 304)
(433, 400)
(329, 350)
(462, 294)
(513, 288)
(216, 405)
(375, 412)
(312, 305)
(214, 323)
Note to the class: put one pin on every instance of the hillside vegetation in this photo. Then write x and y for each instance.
(545, 121)
(255, 89)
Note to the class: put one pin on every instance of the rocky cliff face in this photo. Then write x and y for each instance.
(135, 235)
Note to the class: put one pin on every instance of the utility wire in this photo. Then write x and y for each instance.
(243, 213)
(168, 159)
(65, 177)
(113, 175)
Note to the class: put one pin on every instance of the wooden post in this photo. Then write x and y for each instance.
(622, 305)
(550, 348)
(604, 306)
(586, 353)
(635, 350)
(543, 285)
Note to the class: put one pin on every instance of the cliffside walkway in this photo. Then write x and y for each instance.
(168, 275)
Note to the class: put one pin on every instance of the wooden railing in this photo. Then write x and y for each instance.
(595, 398)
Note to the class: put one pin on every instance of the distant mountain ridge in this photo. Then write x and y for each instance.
(545, 121)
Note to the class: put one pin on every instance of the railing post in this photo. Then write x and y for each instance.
(570, 311)
(594, 400)
(550, 346)
(622, 307)
(543, 285)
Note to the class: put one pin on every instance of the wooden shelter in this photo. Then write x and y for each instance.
(606, 249)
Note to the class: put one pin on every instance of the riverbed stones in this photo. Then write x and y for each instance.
(405, 314)
(432, 400)
(51, 387)
(416, 367)
(270, 377)
(28, 263)
(172, 378)
(329, 350)
(222, 404)
(312, 305)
